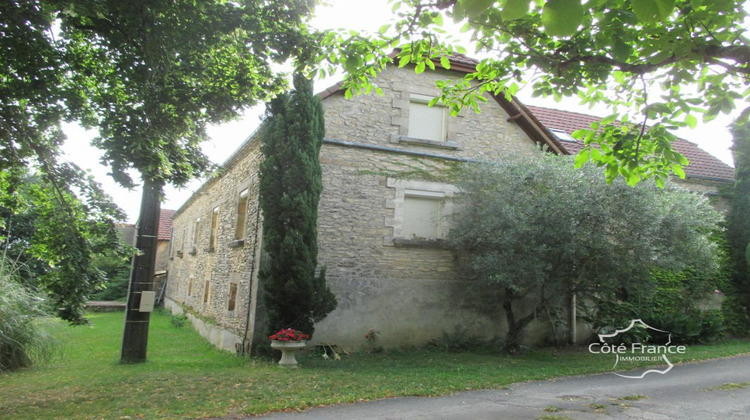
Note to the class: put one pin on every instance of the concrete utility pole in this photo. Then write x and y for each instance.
(140, 304)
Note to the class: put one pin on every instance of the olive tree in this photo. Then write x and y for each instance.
(541, 230)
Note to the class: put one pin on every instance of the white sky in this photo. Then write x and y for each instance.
(367, 15)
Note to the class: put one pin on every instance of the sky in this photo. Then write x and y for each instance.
(363, 15)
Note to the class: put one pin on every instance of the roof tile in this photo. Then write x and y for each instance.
(165, 225)
(702, 163)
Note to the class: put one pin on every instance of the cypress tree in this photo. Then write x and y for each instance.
(290, 187)
(737, 305)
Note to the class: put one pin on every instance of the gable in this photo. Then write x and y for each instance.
(389, 120)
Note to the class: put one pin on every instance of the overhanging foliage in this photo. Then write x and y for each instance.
(656, 65)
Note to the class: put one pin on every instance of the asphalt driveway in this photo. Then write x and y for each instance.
(717, 389)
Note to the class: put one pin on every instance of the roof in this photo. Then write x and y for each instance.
(702, 164)
(165, 225)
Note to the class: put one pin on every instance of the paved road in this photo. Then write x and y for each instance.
(686, 392)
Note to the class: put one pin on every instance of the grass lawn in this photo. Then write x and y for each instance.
(187, 378)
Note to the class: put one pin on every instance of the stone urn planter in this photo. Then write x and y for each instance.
(288, 350)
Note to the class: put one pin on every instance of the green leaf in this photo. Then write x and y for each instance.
(445, 62)
(651, 11)
(514, 9)
(476, 7)
(352, 63)
(419, 68)
(438, 19)
(582, 157)
(609, 119)
(691, 121)
(632, 177)
(562, 17)
(621, 50)
(677, 170)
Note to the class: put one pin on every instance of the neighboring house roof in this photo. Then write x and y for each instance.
(702, 164)
(165, 225)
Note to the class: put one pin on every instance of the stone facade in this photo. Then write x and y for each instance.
(385, 278)
(201, 276)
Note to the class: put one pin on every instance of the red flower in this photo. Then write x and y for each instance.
(289, 334)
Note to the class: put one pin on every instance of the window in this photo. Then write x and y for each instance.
(206, 291)
(422, 213)
(190, 286)
(562, 135)
(232, 296)
(421, 125)
(196, 235)
(172, 243)
(426, 122)
(239, 229)
(214, 238)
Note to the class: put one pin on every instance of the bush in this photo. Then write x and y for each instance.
(688, 327)
(179, 320)
(712, 326)
(461, 340)
(22, 340)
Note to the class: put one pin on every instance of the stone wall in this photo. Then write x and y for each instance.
(716, 191)
(200, 278)
(378, 120)
(409, 290)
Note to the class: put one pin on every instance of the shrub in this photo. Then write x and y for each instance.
(688, 327)
(179, 320)
(712, 326)
(371, 339)
(460, 340)
(22, 340)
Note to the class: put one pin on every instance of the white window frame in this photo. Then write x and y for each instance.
(427, 189)
(415, 131)
(406, 94)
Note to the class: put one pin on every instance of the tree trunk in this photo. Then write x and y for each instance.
(135, 334)
(515, 326)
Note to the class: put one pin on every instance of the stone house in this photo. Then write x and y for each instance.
(382, 215)
(163, 244)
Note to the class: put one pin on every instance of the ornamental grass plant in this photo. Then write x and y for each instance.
(23, 338)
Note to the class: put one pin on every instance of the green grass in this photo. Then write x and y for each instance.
(634, 397)
(730, 386)
(187, 378)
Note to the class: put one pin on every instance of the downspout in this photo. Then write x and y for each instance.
(572, 318)
(245, 346)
